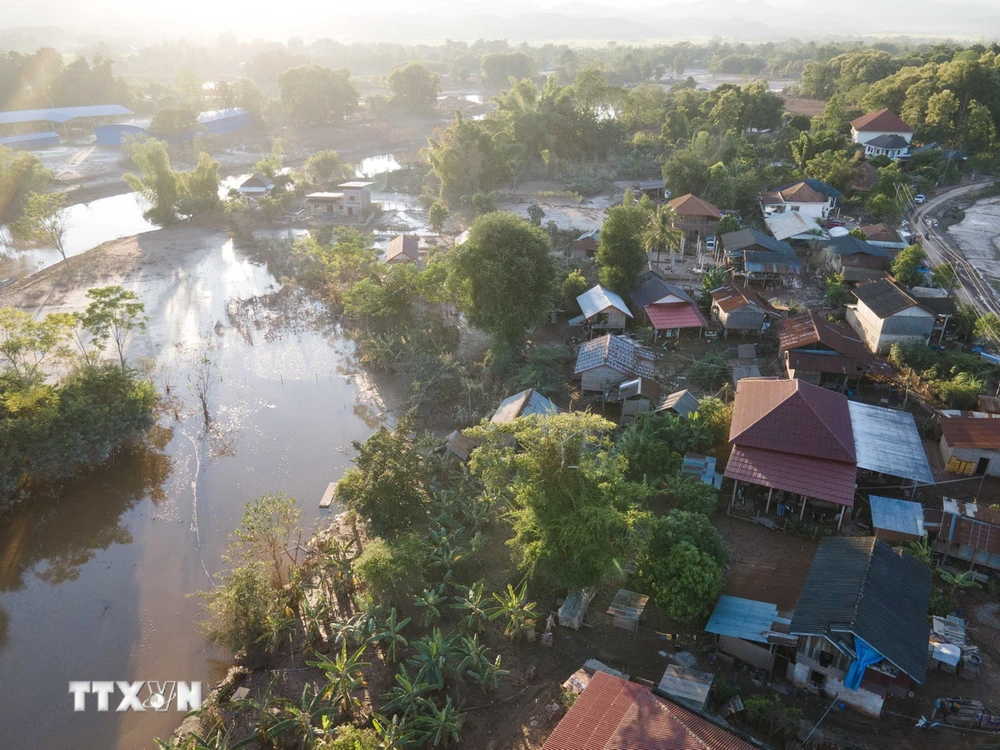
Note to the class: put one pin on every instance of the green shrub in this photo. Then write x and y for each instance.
(391, 570)
(710, 372)
(237, 611)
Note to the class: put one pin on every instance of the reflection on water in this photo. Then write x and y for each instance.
(94, 580)
(87, 225)
(373, 165)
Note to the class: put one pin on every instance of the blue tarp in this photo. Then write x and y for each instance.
(866, 657)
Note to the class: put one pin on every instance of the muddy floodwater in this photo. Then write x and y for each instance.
(95, 581)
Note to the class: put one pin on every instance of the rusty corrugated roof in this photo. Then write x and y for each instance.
(972, 432)
(692, 205)
(614, 714)
(885, 120)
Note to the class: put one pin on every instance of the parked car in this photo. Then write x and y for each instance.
(919, 198)
(710, 242)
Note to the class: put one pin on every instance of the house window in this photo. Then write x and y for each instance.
(329, 208)
(796, 208)
(816, 678)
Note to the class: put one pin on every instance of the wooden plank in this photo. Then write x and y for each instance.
(327, 499)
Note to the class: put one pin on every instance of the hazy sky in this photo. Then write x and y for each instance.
(344, 19)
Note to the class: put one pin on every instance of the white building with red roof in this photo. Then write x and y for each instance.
(882, 133)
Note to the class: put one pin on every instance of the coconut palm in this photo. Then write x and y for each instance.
(660, 232)
(344, 676)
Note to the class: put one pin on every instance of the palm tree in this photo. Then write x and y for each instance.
(344, 675)
(473, 604)
(660, 231)
(392, 636)
(514, 607)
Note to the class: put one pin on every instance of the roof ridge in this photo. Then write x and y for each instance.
(768, 412)
(861, 588)
(836, 437)
(666, 708)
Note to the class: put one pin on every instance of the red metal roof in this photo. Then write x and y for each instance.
(614, 714)
(883, 121)
(675, 315)
(792, 417)
(731, 296)
(692, 205)
(972, 432)
(800, 192)
(803, 475)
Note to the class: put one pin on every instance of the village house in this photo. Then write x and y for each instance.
(968, 532)
(612, 713)
(865, 178)
(799, 196)
(753, 631)
(403, 248)
(795, 227)
(938, 301)
(808, 443)
(862, 623)
(855, 259)
(523, 404)
(605, 362)
(895, 521)
(758, 257)
(351, 205)
(680, 403)
(637, 396)
(882, 133)
(695, 217)
(603, 310)
(667, 307)
(256, 186)
(970, 443)
(883, 236)
(823, 353)
(885, 315)
(585, 246)
(741, 309)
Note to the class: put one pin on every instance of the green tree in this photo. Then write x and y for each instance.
(199, 189)
(835, 168)
(113, 315)
(174, 122)
(535, 214)
(710, 372)
(315, 95)
(567, 492)
(727, 224)
(685, 172)
(237, 610)
(325, 169)
(21, 174)
(660, 232)
(385, 486)
(685, 493)
(267, 531)
(504, 259)
(466, 160)
(979, 131)
(156, 183)
(43, 221)
(391, 571)
(906, 265)
(620, 253)
(26, 344)
(413, 87)
(438, 215)
(572, 287)
(939, 123)
(499, 67)
(884, 208)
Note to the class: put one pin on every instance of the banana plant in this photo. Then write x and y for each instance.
(315, 612)
(391, 636)
(435, 658)
(429, 601)
(217, 738)
(402, 698)
(280, 627)
(438, 727)
(344, 676)
(300, 719)
(265, 709)
(473, 606)
(518, 613)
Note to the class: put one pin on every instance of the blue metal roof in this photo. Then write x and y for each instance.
(63, 114)
(28, 137)
(901, 516)
(220, 114)
(743, 618)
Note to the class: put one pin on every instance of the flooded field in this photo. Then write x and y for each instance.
(94, 582)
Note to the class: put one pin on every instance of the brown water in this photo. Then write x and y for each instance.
(94, 582)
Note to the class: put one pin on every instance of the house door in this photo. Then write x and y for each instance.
(350, 210)
(982, 466)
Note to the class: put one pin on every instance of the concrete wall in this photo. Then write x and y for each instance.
(610, 319)
(972, 456)
(861, 700)
(601, 378)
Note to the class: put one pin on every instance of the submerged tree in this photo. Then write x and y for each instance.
(114, 314)
(43, 221)
(157, 183)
